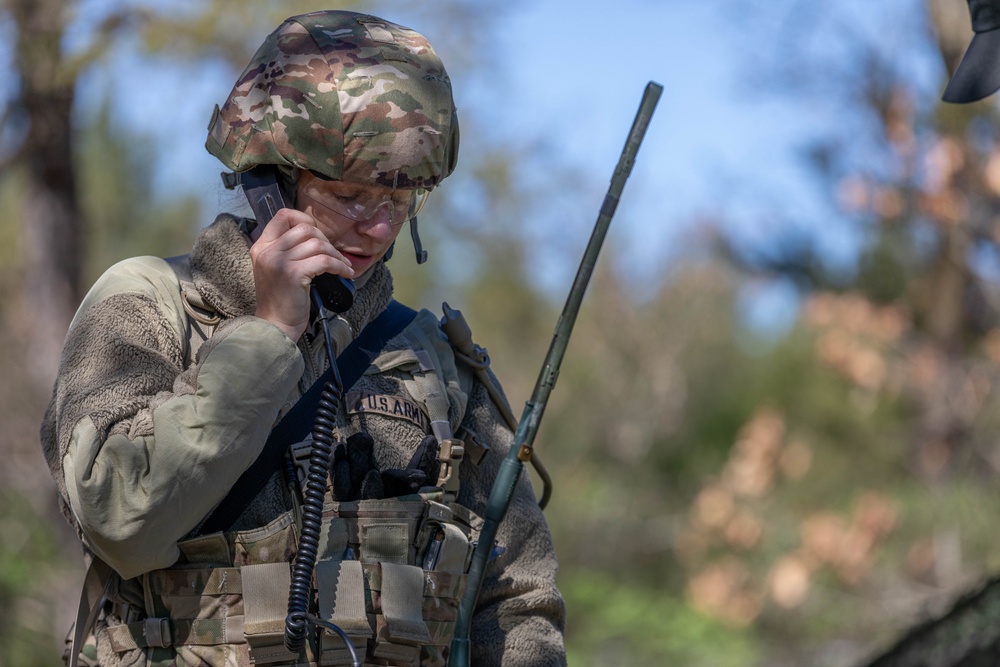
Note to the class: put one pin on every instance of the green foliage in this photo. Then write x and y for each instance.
(655, 408)
(883, 273)
(30, 556)
(116, 187)
(615, 619)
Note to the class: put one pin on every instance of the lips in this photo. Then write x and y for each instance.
(358, 262)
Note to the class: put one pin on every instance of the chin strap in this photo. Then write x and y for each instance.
(417, 246)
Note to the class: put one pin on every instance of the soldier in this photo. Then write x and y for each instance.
(177, 376)
(978, 75)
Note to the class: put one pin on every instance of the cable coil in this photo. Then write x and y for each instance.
(320, 457)
(300, 591)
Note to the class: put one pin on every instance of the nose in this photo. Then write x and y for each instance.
(378, 227)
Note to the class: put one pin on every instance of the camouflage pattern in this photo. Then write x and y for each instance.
(87, 656)
(201, 599)
(347, 95)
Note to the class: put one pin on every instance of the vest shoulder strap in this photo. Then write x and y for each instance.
(297, 422)
(93, 595)
(450, 364)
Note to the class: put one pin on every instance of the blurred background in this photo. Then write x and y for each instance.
(775, 438)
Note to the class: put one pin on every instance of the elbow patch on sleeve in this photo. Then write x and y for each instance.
(119, 355)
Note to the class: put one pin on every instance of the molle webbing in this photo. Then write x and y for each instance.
(391, 575)
(169, 632)
(342, 577)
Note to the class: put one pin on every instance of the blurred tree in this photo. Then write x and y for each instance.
(910, 331)
(43, 153)
(30, 567)
(61, 168)
(39, 139)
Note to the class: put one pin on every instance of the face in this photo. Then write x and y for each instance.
(360, 222)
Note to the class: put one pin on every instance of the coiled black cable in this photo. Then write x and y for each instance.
(300, 590)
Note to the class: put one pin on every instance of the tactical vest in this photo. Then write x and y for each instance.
(391, 575)
(390, 572)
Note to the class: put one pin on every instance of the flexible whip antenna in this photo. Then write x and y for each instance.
(524, 438)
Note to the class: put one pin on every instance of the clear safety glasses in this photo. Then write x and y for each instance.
(361, 203)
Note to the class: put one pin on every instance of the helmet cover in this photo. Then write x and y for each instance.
(348, 96)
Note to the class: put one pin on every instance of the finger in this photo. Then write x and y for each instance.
(303, 270)
(289, 227)
(304, 247)
(283, 220)
(298, 243)
(312, 257)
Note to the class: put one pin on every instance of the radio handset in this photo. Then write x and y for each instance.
(260, 185)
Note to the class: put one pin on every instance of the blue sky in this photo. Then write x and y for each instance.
(571, 79)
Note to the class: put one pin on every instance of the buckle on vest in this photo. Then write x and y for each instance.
(451, 454)
(157, 632)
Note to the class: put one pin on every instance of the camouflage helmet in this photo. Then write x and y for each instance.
(346, 95)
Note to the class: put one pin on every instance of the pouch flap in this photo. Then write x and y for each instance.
(211, 549)
(342, 602)
(454, 553)
(402, 605)
(385, 543)
(265, 598)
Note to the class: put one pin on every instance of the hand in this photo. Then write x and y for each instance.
(422, 470)
(290, 252)
(355, 472)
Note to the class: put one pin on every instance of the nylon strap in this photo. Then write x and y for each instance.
(183, 632)
(428, 384)
(297, 423)
(92, 597)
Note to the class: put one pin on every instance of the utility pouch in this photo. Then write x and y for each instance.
(411, 554)
(342, 602)
(401, 630)
(442, 546)
(265, 596)
(448, 551)
(225, 602)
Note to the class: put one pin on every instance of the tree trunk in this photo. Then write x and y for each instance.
(51, 218)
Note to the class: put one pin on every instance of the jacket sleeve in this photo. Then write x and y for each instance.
(520, 615)
(144, 449)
